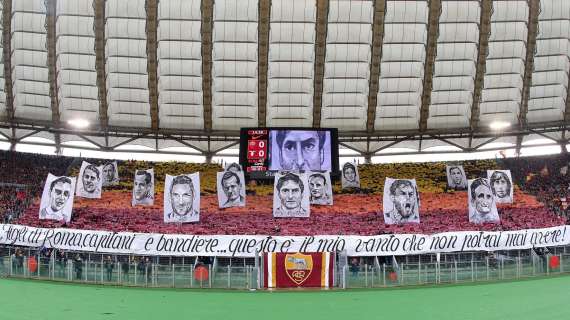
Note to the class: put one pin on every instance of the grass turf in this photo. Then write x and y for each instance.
(545, 298)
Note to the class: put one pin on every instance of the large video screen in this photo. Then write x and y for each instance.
(263, 151)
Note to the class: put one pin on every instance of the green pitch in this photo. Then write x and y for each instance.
(545, 298)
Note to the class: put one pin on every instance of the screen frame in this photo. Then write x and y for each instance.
(270, 174)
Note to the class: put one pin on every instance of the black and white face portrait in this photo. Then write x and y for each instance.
(291, 195)
(349, 176)
(57, 198)
(501, 185)
(235, 167)
(90, 181)
(110, 174)
(143, 187)
(182, 198)
(401, 201)
(299, 150)
(231, 189)
(456, 178)
(482, 207)
(320, 188)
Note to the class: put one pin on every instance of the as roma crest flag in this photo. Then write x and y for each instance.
(291, 270)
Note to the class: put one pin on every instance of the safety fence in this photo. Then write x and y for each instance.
(173, 272)
(455, 268)
(243, 273)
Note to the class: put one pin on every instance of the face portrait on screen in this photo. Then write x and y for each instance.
(60, 191)
(181, 195)
(109, 172)
(90, 178)
(482, 197)
(301, 150)
(500, 184)
(404, 198)
(143, 184)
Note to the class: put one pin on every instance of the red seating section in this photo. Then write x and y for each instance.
(351, 214)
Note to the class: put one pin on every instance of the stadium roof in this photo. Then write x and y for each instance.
(190, 73)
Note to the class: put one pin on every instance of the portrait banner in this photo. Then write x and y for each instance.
(243, 246)
(456, 177)
(349, 176)
(401, 201)
(57, 198)
(501, 185)
(291, 195)
(482, 206)
(143, 187)
(231, 189)
(182, 198)
(90, 182)
(110, 174)
(233, 166)
(320, 188)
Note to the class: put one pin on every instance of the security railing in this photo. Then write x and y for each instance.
(459, 269)
(125, 270)
(366, 272)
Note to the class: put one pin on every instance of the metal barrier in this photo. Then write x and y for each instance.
(373, 272)
(125, 270)
(494, 267)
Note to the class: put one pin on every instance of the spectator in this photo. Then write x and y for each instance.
(141, 268)
(1, 263)
(78, 266)
(125, 268)
(148, 269)
(144, 268)
(18, 261)
(354, 266)
(61, 263)
(109, 265)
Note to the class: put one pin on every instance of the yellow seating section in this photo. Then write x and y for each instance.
(430, 176)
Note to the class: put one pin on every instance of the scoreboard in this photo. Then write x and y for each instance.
(263, 150)
(257, 159)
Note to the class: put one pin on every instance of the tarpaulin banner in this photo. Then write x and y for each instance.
(250, 245)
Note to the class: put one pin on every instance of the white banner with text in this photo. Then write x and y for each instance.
(248, 245)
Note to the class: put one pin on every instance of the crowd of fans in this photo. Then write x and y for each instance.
(13, 201)
(22, 177)
(30, 169)
(544, 178)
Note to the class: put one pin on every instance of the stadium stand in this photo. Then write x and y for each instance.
(351, 213)
(17, 167)
(545, 177)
